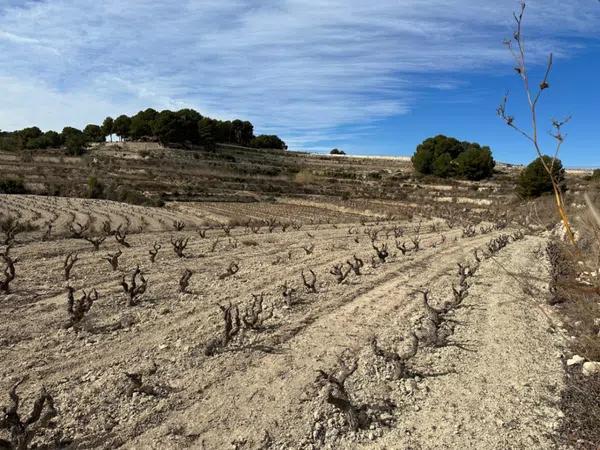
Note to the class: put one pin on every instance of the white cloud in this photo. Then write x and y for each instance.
(298, 68)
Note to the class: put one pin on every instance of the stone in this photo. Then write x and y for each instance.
(591, 368)
(575, 360)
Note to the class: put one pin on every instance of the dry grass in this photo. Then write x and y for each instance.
(578, 288)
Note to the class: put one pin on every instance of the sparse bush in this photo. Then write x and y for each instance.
(11, 186)
(95, 188)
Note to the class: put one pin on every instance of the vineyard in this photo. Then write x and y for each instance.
(303, 322)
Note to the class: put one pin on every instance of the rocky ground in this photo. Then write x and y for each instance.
(477, 366)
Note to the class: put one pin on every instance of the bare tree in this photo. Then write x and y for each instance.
(338, 396)
(231, 270)
(254, 227)
(113, 259)
(382, 251)
(77, 230)
(516, 46)
(339, 273)
(154, 251)
(77, 308)
(178, 225)
(48, 233)
(355, 264)
(398, 361)
(401, 247)
(95, 241)
(22, 431)
(107, 228)
(255, 315)
(9, 271)
(179, 246)
(231, 327)
(121, 237)
(133, 290)
(68, 264)
(184, 281)
(309, 248)
(271, 224)
(460, 294)
(215, 243)
(10, 227)
(310, 284)
(288, 292)
(416, 243)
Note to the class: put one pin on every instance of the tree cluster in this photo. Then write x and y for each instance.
(184, 127)
(448, 157)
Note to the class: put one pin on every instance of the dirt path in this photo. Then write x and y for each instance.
(504, 392)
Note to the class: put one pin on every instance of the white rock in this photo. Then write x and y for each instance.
(575, 360)
(591, 368)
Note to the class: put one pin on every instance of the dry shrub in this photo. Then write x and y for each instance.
(304, 177)
(579, 403)
(579, 290)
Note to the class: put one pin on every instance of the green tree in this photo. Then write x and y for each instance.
(50, 139)
(206, 133)
(448, 157)
(30, 133)
(107, 127)
(534, 180)
(168, 127)
(76, 144)
(68, 132)
(93, 133)
(443, 166)
(475, 163)
(121, 126)
(142, 124)
(268, 141)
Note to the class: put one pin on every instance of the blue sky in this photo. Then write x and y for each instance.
(367, 77)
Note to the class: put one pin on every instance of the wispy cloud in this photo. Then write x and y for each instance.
(302, 69)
